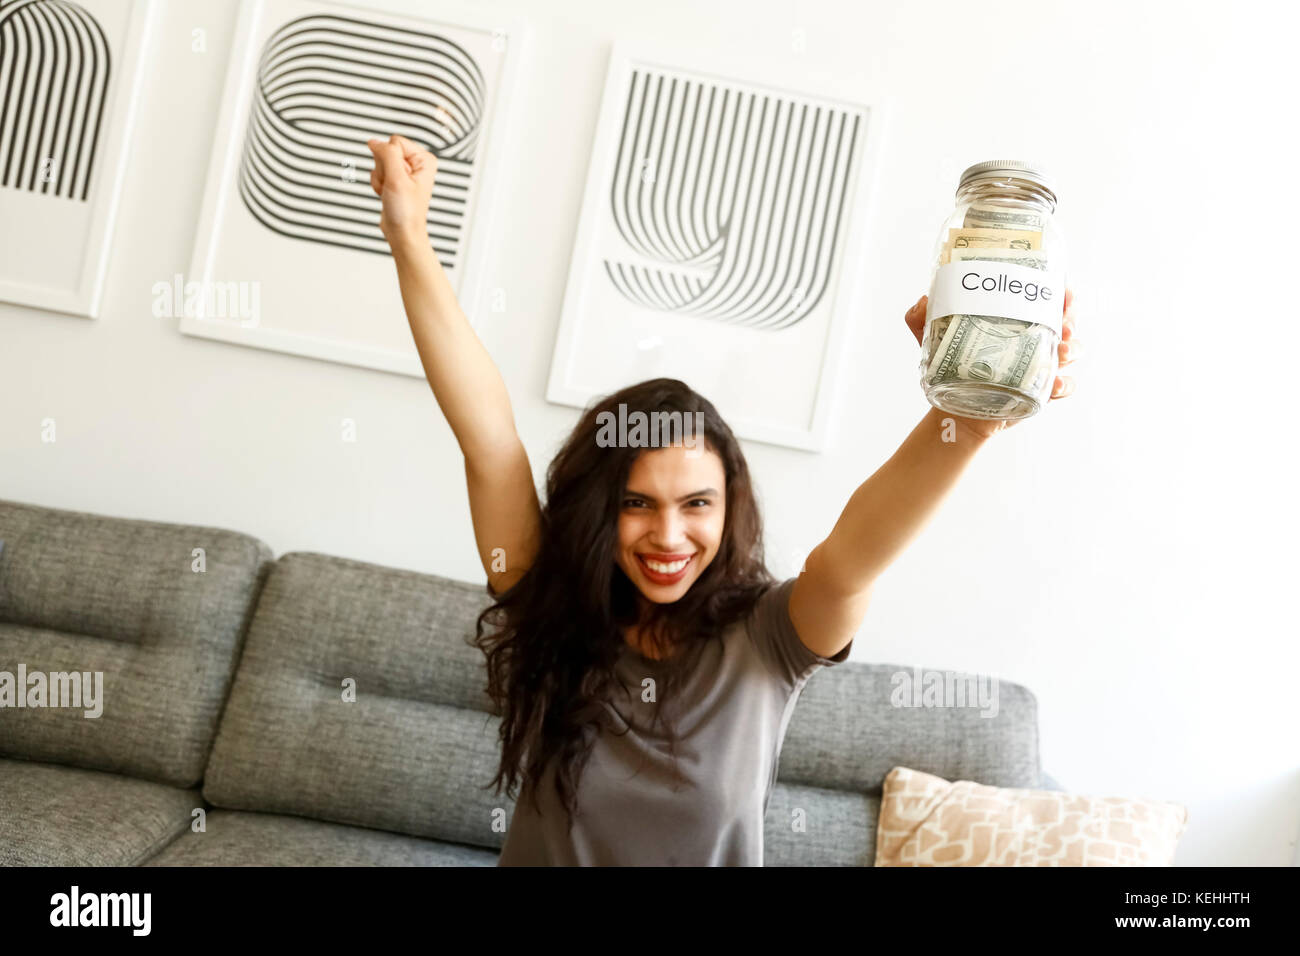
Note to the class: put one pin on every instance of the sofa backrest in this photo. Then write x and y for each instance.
(359, 700)
(414, 749)
(134, 601)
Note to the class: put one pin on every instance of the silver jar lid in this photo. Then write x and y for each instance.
(1002, 168)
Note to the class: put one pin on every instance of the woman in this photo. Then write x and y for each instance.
(644, 662)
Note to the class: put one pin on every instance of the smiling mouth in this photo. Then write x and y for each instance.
(664, 572)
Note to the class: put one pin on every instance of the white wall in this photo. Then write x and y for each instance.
(1124, 554)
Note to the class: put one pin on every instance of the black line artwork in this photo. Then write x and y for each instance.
(54, 70)
(740, 194)
(326, 84)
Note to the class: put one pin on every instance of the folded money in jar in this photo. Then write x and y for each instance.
(993, 323)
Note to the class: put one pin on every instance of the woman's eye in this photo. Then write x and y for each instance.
(694, 502)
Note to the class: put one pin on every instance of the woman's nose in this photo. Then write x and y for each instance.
(668, 531)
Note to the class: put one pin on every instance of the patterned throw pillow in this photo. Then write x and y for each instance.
(928, 821)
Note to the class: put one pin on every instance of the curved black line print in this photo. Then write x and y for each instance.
(325, 85)
(740, 194)
(55, 65)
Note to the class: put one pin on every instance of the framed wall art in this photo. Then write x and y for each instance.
(719, 236)
(289, 255)
(70, 76)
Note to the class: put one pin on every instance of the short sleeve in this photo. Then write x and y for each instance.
(778, 643)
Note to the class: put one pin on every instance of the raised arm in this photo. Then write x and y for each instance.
(829, 600)
(466, 383)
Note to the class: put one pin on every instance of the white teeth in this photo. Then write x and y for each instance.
(666, 568)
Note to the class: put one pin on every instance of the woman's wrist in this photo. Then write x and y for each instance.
(404, 242)
(955, 428)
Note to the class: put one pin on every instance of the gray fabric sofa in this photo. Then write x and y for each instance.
(315, 710)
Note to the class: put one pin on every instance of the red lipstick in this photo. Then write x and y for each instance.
(659, 577)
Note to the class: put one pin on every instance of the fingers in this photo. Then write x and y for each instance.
(915, 317)
(416, 156)
(404, 159)
(408, 148)
(1069, 350)
(422, 163)
(377, 169)
(389, 156)
(916, 314)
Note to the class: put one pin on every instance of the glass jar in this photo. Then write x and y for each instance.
(993, 320)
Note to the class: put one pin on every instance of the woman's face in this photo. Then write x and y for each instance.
(671, 520)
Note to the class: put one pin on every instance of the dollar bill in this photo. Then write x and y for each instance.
(1029, 258)
(977, 238)
(935, 335)
(976, 351)
(993, 349)
(1002, 217)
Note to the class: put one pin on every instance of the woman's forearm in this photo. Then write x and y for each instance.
(887, 510)
(465, 381)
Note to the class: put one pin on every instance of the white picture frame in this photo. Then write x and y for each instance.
(347, 287)
(59, 200)
(773, 384)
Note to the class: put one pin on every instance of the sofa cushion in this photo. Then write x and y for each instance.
(235, 838)
(813, 826)
(52, 815)
(88, 593)
(413, 752)
(928, 821)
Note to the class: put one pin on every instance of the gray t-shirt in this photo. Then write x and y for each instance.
(730, 713)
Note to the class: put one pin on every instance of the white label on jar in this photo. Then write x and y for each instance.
(989, 287)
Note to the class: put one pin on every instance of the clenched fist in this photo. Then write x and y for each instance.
(403, 180)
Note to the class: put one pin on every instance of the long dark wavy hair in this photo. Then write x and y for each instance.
(552, 640)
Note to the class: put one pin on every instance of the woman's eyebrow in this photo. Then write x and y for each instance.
(707, 492)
